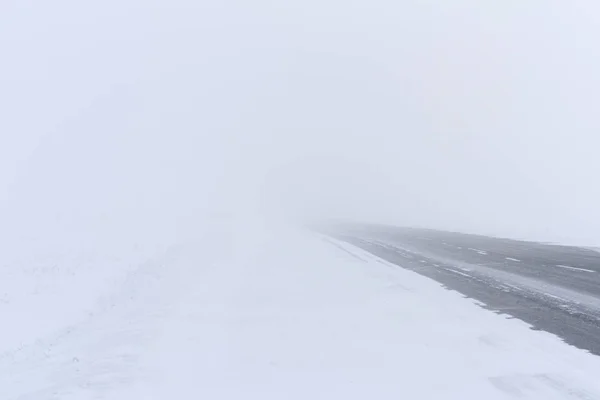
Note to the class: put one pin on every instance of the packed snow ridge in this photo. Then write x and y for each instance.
(268, 315)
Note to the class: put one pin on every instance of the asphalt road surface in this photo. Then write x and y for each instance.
(553, 288)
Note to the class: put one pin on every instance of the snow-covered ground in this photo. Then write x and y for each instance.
(271, 315)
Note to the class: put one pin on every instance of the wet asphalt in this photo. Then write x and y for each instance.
(553, 288)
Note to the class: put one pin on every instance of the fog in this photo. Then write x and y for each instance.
(161, 119)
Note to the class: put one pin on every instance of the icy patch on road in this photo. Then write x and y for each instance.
(574, 268)
(482, 252)
(588, 303)
(458, 272)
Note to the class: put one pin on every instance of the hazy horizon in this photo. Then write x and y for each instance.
(150, 119)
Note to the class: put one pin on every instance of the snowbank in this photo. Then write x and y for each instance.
(292, 315)
(46, 288)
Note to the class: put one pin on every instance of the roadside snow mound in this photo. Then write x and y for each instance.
(46, 289)
(292, 315)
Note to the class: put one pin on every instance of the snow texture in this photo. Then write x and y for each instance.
(285, 315)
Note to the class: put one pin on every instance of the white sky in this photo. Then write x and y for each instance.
(135, 116)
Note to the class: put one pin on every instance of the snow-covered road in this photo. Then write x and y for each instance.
(290, 315)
